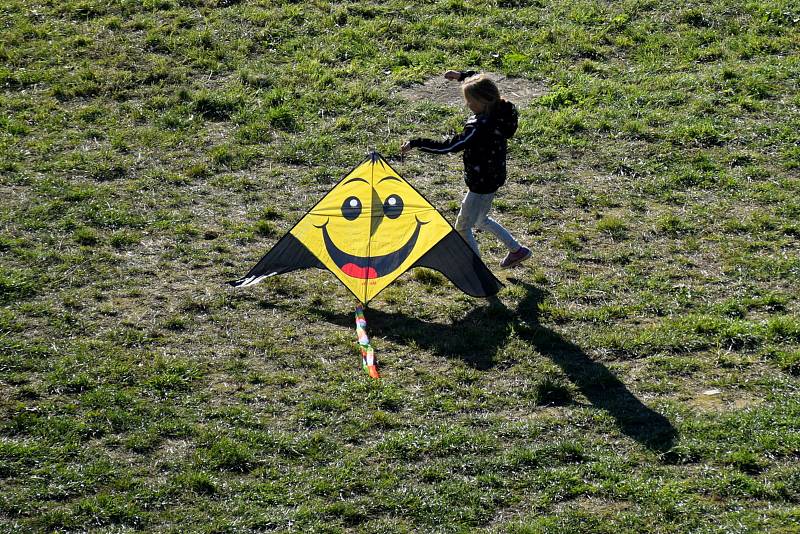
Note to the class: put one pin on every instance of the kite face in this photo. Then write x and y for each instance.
(370, 228)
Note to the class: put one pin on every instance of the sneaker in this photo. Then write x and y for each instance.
(514, 258)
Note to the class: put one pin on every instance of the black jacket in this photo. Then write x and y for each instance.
(485, 145)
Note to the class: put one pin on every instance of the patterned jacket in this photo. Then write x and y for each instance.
(485, 145)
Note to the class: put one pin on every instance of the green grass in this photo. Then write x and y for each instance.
(639, 373)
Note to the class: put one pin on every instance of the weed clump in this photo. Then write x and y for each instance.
(216, 106)
(551, 391)
(14, 284)
(264, 228)
(613, 226)
(282, 117)
(673, 225)
(787, 360)
(428, 277)
(197, 481)
(228, 455)
(86, 236)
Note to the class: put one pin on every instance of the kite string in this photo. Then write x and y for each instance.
(367, 353)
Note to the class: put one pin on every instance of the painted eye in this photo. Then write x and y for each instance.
(393, 206)
(351, 208)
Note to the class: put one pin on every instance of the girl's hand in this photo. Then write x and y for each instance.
(452, 75)
(406, 148)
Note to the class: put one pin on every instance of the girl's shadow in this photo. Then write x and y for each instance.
(477, 337)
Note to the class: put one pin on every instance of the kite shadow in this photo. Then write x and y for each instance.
(477, 337)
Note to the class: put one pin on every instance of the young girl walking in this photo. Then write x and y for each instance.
(485, 145)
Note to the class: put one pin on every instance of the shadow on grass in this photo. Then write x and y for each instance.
(477, 337)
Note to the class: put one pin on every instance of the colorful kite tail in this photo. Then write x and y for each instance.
(367, 354)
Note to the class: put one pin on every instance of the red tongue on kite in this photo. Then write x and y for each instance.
(367, 354)
(351, 269)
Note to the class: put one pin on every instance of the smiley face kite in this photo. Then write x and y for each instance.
(368, 230)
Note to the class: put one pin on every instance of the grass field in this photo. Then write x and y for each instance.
(640, 373)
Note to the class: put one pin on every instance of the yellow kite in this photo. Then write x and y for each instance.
(368, 230)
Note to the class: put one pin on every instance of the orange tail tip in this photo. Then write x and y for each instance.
(373, 371)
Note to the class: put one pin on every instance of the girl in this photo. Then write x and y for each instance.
(485, 144)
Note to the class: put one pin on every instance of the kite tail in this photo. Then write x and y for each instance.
(367, 354)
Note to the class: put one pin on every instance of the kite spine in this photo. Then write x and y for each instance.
(367, 354)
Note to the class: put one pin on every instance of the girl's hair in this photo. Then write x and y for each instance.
(481, 89)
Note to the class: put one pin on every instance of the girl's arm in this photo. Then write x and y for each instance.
(459, 75)
(456, 143)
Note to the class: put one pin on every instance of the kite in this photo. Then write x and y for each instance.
(369, 229)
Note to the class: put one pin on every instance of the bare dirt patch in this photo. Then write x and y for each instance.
(716, 400)
(441, 91)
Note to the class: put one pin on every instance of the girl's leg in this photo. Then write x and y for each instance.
(516, 252)
(500, 232)
(484, 222)
(473, 207)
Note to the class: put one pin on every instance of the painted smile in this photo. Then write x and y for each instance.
(371, 267)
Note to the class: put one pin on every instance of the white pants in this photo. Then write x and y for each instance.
(475, 214)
